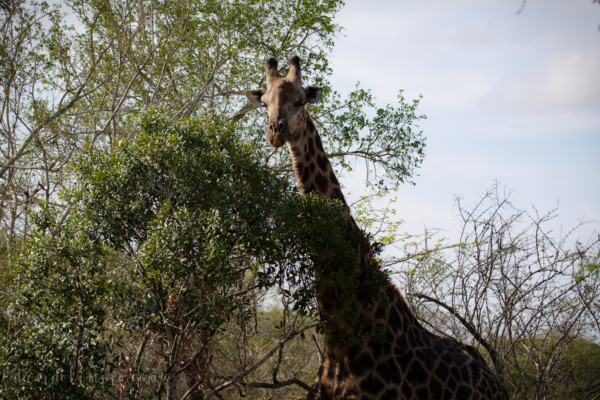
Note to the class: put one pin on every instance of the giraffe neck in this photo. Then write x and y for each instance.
(311, 166)
(314, 174)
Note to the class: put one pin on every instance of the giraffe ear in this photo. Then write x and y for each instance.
(313, 94)
(254, 97)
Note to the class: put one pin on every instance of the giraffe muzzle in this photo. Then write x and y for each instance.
(278, 132)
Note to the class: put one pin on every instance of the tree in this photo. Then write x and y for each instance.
(518, 294)
(80, 73)
(66, 86)
(87, 217)
(170, 236)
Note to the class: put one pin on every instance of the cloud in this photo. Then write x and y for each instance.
(468, 55)
(564, 82)
(508, 97)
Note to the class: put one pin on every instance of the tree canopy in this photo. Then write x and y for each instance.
(141, 209)
(170, 235)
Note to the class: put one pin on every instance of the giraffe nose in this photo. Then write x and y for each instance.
(278, 125)
(278, 132)
(274, 138)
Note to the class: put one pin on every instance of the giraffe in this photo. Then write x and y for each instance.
(399, 358)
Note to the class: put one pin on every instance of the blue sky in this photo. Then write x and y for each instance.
(509, 98)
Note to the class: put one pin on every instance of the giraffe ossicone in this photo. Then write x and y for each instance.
(403, 360)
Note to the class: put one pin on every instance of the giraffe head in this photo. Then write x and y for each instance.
(284, 98)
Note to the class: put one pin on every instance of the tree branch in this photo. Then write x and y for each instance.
(248, 371)
(470, 327)
(34, 133)
(280, 384)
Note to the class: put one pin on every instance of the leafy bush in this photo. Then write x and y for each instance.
(167, 237)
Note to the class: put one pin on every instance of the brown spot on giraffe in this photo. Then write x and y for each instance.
(406, 361)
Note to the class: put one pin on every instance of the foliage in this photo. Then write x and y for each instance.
(580, 370)
(79, 73)
(56, 342)
(283, 375)
(577, 371)
(96, 201)
(169, 236)
(69, 86)
(385, 138)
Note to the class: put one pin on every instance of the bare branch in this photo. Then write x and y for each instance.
(470, 327)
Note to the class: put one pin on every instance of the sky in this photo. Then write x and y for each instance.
(510, 97)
